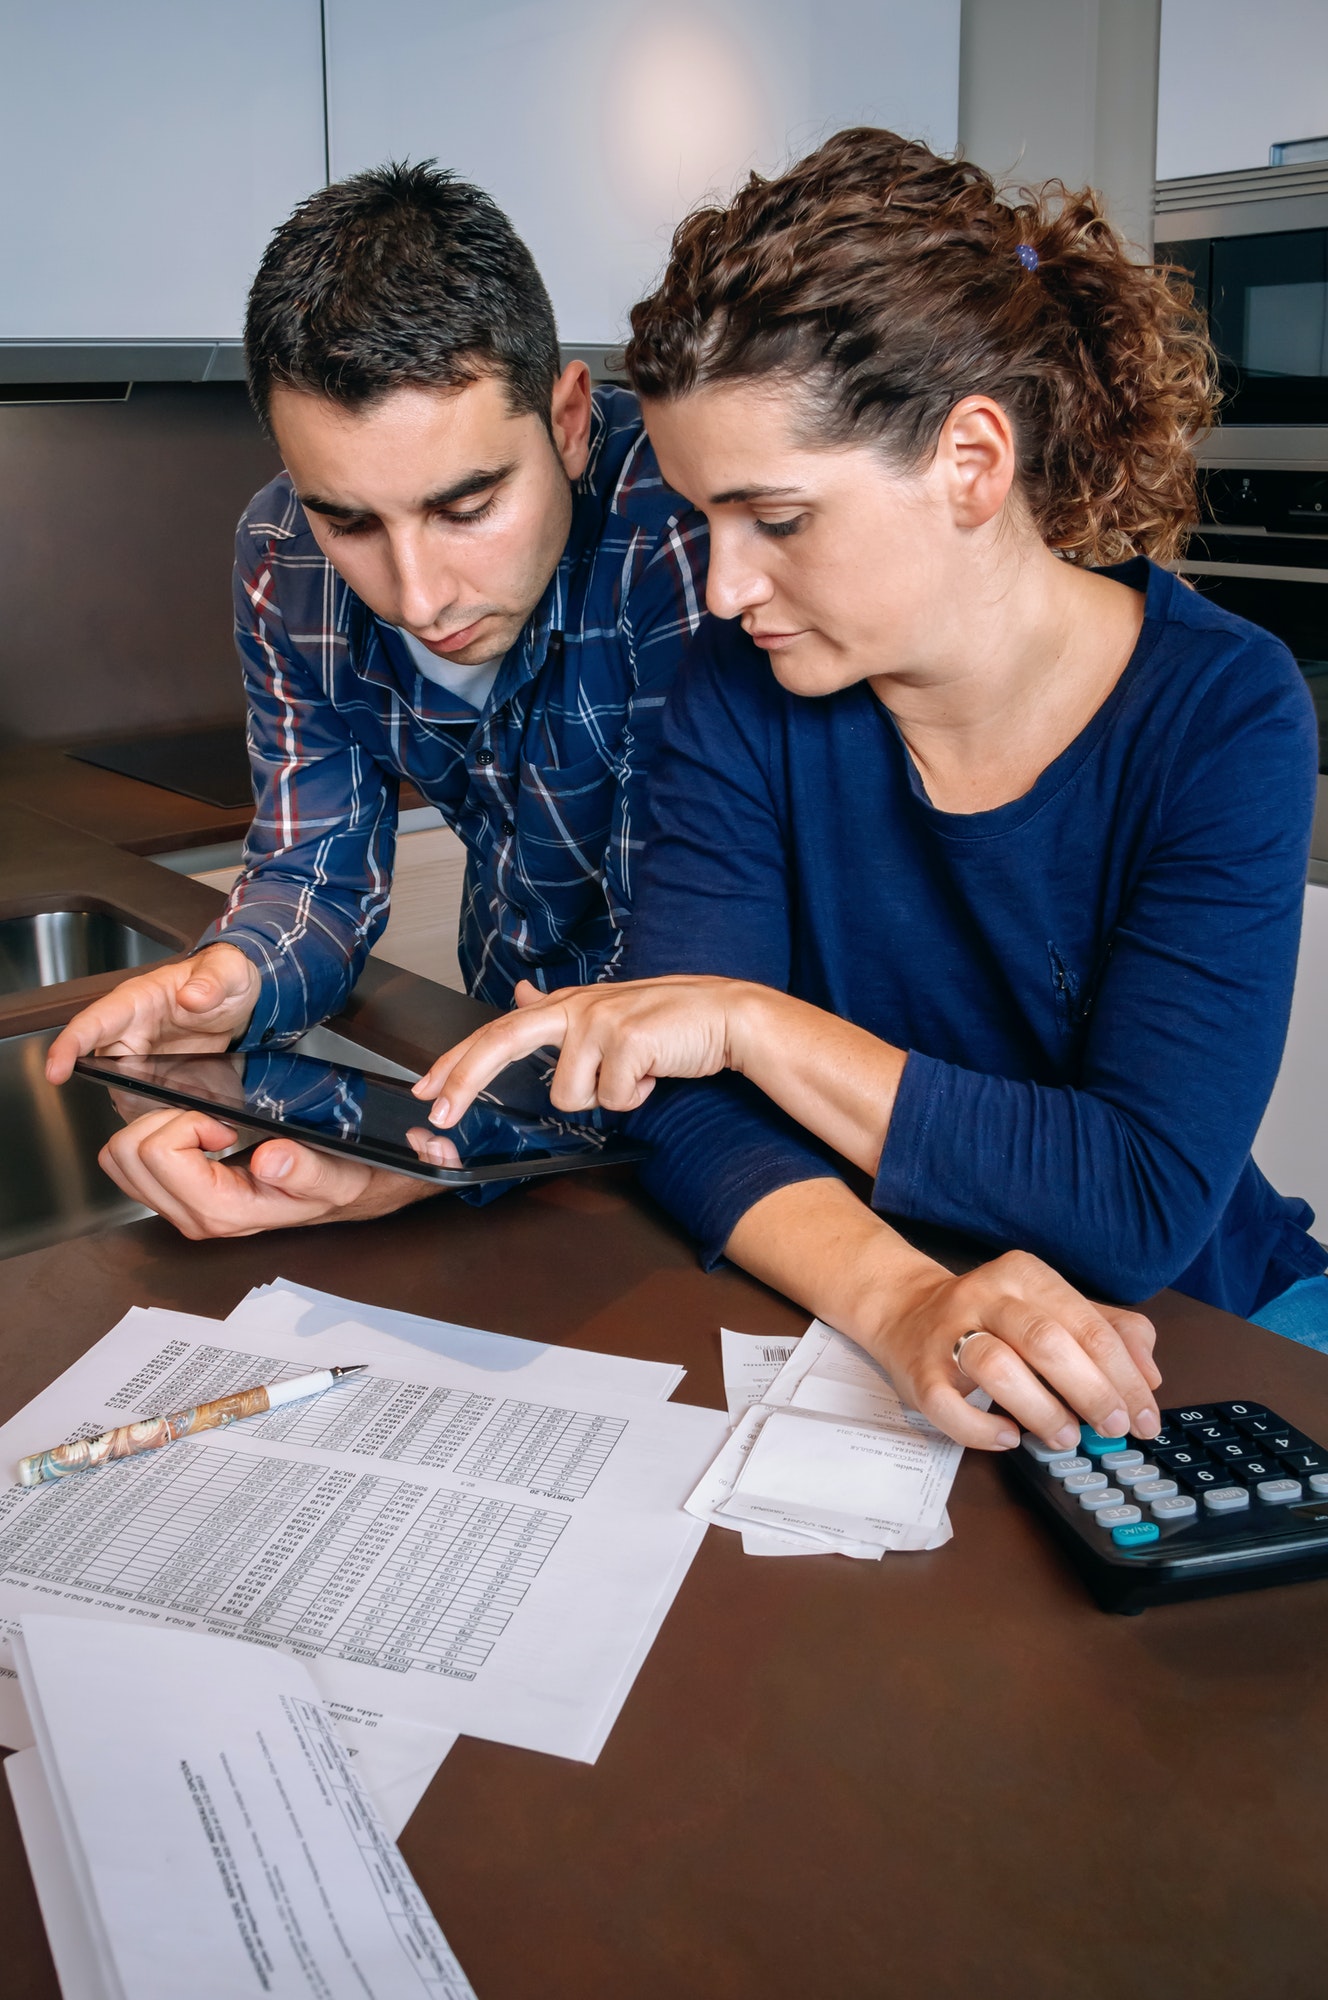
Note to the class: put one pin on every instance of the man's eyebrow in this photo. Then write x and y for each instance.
(465, 488)
(739, 495)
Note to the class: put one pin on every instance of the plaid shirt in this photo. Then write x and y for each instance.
(545, 786)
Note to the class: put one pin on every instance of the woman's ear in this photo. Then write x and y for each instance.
(569, 418)
(976, 457)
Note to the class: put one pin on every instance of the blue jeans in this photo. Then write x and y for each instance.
(1300, 1313)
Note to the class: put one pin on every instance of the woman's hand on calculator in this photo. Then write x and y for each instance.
(1045, 1354)
(1042, 1351)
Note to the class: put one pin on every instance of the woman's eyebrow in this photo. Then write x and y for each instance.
(738, 495)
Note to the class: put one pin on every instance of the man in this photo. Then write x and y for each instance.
(470, 574)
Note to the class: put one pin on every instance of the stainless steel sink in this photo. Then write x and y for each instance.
(50, 1184)
(51, 1187)
(56, 945)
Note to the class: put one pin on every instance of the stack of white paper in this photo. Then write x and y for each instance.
(199, 1828)
(823, 1454)
(379, 1332)
(477, 1534)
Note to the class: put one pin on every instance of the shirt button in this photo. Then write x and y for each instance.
(509, 826)
(484, 758)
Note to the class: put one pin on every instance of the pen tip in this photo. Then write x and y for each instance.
(352, 1368)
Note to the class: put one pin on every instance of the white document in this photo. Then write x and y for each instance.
(378, 1333)
(396, 1760)
(443, 1545)
(751, 1362)
(216, 1837)
(827, 1375)
(73, 1946)
(818, 1475)
(710, 1500)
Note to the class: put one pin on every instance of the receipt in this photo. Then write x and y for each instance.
(751, 1361)
(810, 1474)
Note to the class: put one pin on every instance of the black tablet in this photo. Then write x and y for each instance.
(511, 1131)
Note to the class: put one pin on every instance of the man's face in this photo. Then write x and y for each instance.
(442, 509)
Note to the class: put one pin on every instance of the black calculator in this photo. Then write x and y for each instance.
(1227, 1496)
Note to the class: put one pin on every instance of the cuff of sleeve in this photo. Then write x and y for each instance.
(716, 1149)
(282, 1009)
(919, 1103)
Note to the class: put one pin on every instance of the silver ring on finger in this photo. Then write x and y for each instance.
(957, 1351)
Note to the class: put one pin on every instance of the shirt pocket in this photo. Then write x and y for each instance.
(564, 817)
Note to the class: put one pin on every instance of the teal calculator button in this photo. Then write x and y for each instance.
(1136, 1535)
(1094, 1446)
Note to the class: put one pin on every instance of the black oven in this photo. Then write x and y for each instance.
(1267, 303)
(1256, 245)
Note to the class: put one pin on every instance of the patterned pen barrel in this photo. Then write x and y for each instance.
(126, 1440)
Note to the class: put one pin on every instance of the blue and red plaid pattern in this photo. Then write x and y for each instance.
(545, 786)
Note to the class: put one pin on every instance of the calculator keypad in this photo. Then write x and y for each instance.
(1208, 1462)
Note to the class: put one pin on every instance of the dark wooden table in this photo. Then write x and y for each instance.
(943, 1775)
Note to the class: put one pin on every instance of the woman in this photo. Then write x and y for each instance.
(976, 864)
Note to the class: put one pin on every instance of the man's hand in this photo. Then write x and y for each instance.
(192, 1008)
(162, 1160)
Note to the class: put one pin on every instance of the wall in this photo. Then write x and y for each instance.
(1292, 1146)
(116, 527)
(1235, 78)
(1065, 89)
(598, 123)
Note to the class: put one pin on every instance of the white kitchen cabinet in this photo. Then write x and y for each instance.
(1292, 1145)
(597, 123)
(146, 153)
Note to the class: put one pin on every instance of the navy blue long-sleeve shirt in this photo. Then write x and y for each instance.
(1092, 982)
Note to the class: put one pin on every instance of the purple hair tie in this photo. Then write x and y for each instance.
(1027, 256)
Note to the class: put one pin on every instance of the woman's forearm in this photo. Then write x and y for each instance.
(815, 1242)
(835, 1079)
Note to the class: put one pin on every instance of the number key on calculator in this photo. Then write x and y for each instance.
(1228, 1496)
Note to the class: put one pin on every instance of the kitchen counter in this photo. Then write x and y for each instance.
(946, 1774)
(139, 818)
(50, 865)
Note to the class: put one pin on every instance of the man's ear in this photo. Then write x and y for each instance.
(569, 418)
(977, 451)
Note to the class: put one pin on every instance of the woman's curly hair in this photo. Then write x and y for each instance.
(888, 283)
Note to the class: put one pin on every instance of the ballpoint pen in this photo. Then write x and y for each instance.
(83, 1454)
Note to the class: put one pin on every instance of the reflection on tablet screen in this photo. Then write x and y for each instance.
(512, 1122)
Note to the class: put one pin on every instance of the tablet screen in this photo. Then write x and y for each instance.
(511, 1129)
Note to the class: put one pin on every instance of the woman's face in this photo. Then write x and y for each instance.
(840, 565)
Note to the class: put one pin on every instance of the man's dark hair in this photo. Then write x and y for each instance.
(403, 275)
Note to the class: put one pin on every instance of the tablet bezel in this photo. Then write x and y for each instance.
(111, 1071)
